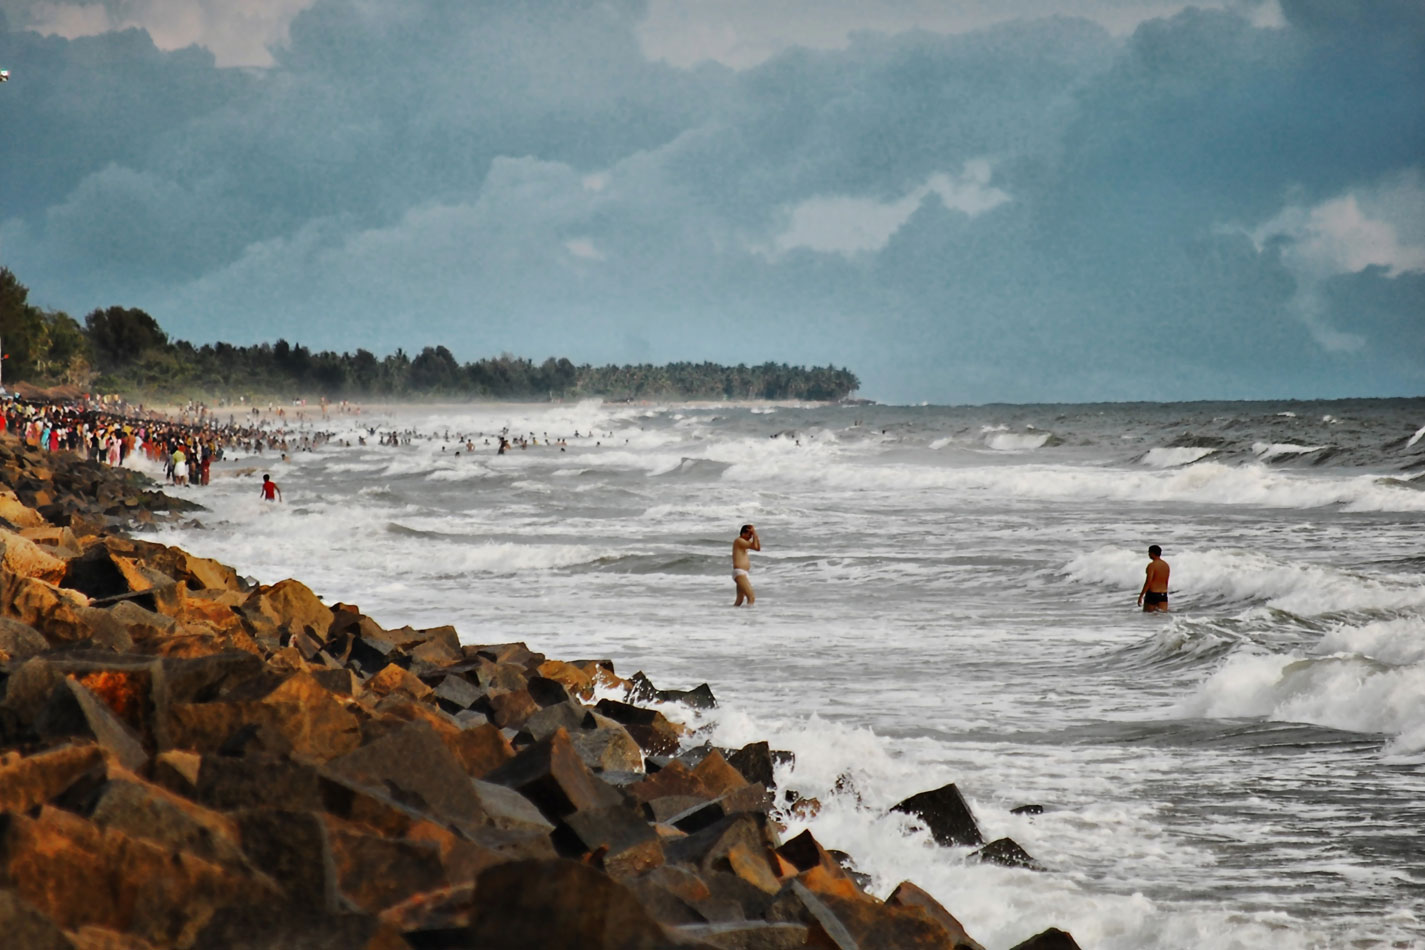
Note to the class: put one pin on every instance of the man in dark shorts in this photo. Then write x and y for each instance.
(1154, 595)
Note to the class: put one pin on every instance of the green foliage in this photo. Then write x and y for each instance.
(135, 356)
(44, 346)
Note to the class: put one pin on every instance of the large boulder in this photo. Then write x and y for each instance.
(559, 905)
(946, 813)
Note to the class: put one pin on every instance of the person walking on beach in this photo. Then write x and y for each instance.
(1154, 595)
(745, 541)
(270, 491)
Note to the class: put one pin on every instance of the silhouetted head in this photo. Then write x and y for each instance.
(1154, 550)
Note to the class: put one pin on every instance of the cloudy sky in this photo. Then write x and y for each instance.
(960, 200)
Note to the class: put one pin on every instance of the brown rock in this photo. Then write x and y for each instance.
(19, 555)
(674, 779)
(552, 776)
(291, 605)
(17, 512)
(559, 905)
(73, 710)
(19, 641)
(420, 770)
(649, 728)
(873, 925)
(746, 935)
(717, 776)
(608, 749)
(392, 678)
(577, 681)
(229, 783)
(143, 810)
(619, 841)
(375, 873)
(28, 781)
(78, 874)
(511, 710)
(58, 541)
(297, 926)
(909, 895)
(27, 928)
(51, 610)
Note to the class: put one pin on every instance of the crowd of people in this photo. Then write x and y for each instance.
(111, 434)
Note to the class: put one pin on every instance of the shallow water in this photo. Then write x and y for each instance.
(948, 595)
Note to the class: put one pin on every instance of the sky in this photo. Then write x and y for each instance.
(962, 201)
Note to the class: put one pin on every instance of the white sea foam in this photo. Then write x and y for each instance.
(1419, 433)
(1270, 450)
(1172, 457)
(1341, 692)
(1017, 441)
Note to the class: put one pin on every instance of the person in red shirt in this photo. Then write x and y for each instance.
(270, 491)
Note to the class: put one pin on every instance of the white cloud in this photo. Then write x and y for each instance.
(584, 248)
(743, 33)
(1345, 235)
(1353, 231)
(238, 34)
(842, 224)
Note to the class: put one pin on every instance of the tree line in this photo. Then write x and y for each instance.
(121, 349)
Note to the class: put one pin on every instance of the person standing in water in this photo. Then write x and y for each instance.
(270, 491)
(1154, 595)
(745, 541)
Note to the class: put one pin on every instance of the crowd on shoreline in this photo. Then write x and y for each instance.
(112, 433)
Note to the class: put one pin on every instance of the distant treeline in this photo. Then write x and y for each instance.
(125, 350)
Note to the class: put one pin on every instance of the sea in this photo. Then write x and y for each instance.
(948, 594)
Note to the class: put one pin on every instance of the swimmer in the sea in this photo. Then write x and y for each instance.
(745, 541)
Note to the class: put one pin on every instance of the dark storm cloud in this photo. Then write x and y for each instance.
(1032, 210)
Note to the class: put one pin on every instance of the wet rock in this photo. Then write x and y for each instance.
(909, 895)
(945, 813)
(649, 728)
(1051, 939)
(754, 762)
(1006, 852)
(1027, 810)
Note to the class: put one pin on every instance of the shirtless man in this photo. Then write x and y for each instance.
(746, 541)
(1154, 595)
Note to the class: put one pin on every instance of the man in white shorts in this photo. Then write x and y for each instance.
(746, 541)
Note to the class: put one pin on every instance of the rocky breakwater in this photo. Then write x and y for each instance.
(188, 760)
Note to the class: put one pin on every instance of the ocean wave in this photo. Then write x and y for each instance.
(695, 468)
(1271, 450)
(1018, 441)
(1348, 692)
(1218, 577)
(1172, 457)
(1181, 644)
